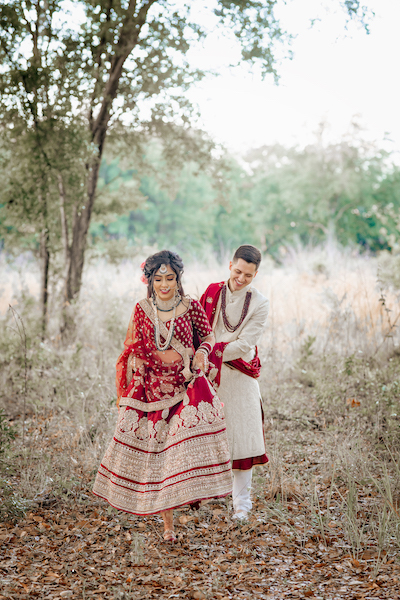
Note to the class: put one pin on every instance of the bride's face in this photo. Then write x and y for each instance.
(165, 284)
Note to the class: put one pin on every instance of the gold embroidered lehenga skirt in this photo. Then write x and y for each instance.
(166, 453)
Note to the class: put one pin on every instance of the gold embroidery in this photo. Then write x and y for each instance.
(206, 412)
(189, 416)
(145, 430)
(174, 425)
(186, 475)
(190, 467)
(161, 428)
(128, 421)
(166, 388)
(152, 406)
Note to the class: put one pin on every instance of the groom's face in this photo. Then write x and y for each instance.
(241, 274)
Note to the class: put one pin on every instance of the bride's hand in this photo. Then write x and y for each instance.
(200, 361)
(136, 363)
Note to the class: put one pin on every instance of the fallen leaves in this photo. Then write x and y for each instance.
(82, 549)
(228, 562)
(198, 595)
(352, 402)
(185, 519)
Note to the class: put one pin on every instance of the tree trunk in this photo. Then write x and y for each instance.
(79, 235)
(44, 268)
(64, 225)
(83, 215)
(331, 240)
(65, 232)
(128, 38)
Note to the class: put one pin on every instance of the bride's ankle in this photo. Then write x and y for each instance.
(169, 535)
(168, 519)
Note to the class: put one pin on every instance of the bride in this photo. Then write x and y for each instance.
(170, 446)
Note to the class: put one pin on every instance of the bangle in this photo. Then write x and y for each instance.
(204, 352)
(205, 346)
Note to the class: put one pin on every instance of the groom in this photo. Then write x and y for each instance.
(238, 314)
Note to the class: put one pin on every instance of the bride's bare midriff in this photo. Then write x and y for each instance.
(171, 356)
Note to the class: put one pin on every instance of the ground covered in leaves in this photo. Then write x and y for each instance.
(56, 553)
(77, 547)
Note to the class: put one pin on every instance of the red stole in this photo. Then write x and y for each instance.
(209, 301)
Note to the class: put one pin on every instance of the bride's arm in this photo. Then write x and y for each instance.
(200, 359)
(203, 327)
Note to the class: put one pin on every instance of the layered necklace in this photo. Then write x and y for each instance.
(167, 305)
(164, 306)
(245, 310)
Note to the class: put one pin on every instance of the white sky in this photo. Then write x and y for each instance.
(333, 77)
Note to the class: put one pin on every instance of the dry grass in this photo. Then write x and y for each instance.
(328, 294)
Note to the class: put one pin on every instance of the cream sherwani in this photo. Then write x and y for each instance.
(239, 392)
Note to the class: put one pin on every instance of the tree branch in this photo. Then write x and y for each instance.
(128, 39)
(101, 47)
(342, 210)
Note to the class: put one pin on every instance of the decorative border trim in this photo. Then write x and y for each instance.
(153, 406)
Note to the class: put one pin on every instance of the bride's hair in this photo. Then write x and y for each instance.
(154, 262)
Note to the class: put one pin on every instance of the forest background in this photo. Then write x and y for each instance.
(103, 163)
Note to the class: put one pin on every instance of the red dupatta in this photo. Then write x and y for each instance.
(209, 302)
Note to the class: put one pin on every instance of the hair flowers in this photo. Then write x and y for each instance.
(143, 277)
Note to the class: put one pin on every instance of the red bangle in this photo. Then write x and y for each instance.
(205, 346)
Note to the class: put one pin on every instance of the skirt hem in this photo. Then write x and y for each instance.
(144, 514)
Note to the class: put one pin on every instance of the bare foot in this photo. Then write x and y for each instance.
(169, 535)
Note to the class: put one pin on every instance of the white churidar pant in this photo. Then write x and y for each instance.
(242, 490)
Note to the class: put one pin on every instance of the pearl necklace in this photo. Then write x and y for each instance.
(157, 335)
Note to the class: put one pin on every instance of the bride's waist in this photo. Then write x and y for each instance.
(171, 356)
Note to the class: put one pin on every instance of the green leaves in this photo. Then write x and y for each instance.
(258, 30)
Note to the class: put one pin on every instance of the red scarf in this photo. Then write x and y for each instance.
(209, 301)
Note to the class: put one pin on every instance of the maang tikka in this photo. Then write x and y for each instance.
(163, 269)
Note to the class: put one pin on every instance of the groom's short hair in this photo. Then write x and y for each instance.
(249, 253)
